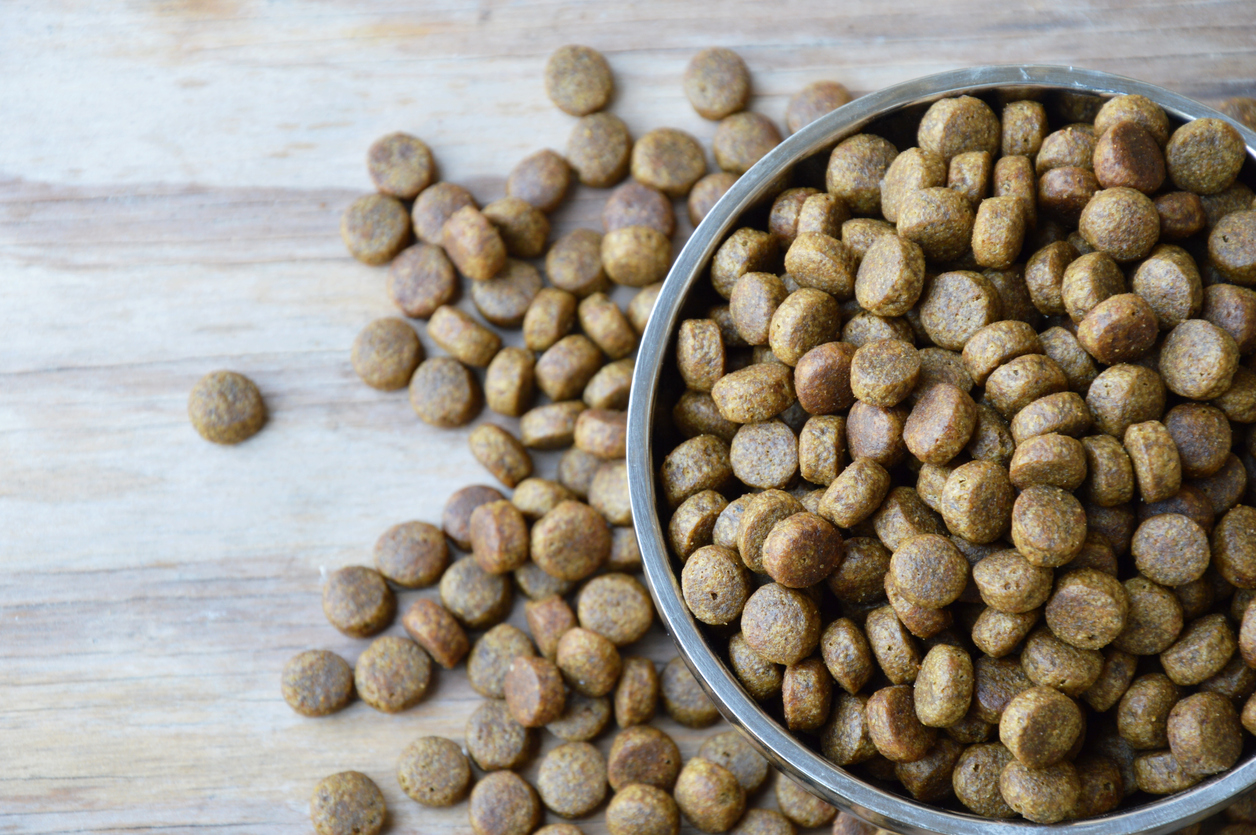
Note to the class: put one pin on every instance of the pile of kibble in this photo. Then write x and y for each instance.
(968, 432)
(568, 544)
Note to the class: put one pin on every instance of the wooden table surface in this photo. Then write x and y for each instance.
(171, 179)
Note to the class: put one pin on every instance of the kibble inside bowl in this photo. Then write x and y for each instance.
(961, 411)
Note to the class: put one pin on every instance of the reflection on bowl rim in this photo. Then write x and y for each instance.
(883, 808)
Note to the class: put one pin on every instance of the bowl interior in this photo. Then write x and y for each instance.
(1070, 95)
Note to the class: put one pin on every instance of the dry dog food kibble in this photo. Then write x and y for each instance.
(709, 795)
(502, 803)
(317, 682)
(348, 803)
(434, 771)
(226, 407)
(392, 674)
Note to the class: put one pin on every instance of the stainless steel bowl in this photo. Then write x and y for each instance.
(834, 784)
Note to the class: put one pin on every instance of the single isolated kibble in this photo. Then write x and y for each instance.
(226, 407)
(598, 150)
(669, 160)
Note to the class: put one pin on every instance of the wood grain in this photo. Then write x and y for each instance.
(171, 178)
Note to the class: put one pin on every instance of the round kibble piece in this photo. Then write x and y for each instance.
(572, 779)
(412, 554)
(1045, 795)
(1010, 583)
(1055, 460)
(358, 602)
(1204, 156)
(1155, 460)
(781, 624)
(707, 192)
(976, 779)
(533, 688)
(1124, 395)
(494, 739)
(642, 810)
(348, 803)
(444, 393)
(940, 221)
(1088, 609)
(1204, 733)
(502, 803)
(955, 306)
(977, 501)
(1048, 525)
(400, 165)
(684, 699)
(434, 206)
(669, 160)
(598, 150)
(636, 256)
(375, 228)
(1119, 329)
(801, 806)
(1154, 621)
(578, 80)
(433, 771)
(1142, 716)
(643, 754)
(893, 726)
(715, 584)
(541, 180)
(552, 426)
(1202, 436)
(814, 101)
(421, 279)
(392, 674)
(490, 659)
(574, 263)
(317, 683)
(1232, 247)
(571, 541)
(943, 687)
(226, 408)
(589, 663)
(1198, 360)
(709, 795)
(940, 424)
(731, 750)
(929, 571)
(1049, 662)
(742, 139)
(1121, 222)
(856, 168)
(1039, 726)
(884, 372)
(1201, 651)
(617, 607)
(1170, 549)
(637, 204)
(456, 517)
(477, 598)
(717, 83)
(582, 719)
(434, 628)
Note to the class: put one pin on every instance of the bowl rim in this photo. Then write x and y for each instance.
(845, 791)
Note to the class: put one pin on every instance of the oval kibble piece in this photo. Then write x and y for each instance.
(709, 795)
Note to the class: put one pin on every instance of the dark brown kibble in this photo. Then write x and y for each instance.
(1118, 329)
(1048, 525)
(801, 806)
(1039, 726)
(637, 693)
(400, 165)
(1198, 360)
(1044, 795)
(1204, 733)
(893, 726)
(456, 517)
(317, 683)
(412, 554)
(1121, 222)
(226, 408)
(578, 80)
(782, 625)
